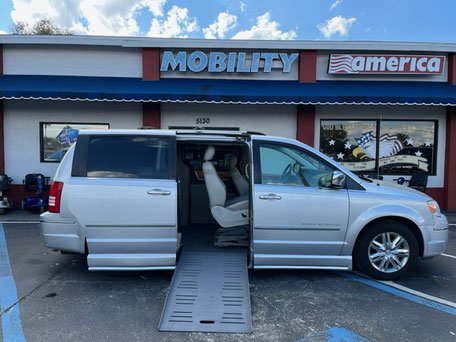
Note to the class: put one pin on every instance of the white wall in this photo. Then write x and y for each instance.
(72, 60)
(391, 112)
(22, 128)
(278, 120)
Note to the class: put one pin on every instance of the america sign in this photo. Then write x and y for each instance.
(385, 64)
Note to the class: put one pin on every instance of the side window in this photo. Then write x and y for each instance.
(128, 157)
(286, 165)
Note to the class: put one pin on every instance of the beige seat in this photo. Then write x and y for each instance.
(230, 213)
(242, 186)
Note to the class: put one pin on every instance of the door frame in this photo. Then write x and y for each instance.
(79, 172)
(337, 261)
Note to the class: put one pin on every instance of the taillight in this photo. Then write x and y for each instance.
(54, 197)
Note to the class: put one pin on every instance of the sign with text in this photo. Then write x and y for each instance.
(217, 62)
(385, 64)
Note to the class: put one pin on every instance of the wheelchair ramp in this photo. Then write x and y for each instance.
(209, 293)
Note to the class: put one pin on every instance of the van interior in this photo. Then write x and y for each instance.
(213, 195)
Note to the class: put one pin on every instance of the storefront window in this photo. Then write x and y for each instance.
(57, 138)
(350, 143)
(404, 147)
(407, 147)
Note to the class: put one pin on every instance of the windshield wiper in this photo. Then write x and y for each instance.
(366, 178)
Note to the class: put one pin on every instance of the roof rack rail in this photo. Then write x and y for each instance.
(196, 128)
(219, 129)
(254, 133)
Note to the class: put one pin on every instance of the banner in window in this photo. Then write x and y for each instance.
(404, 147)
(57, 138)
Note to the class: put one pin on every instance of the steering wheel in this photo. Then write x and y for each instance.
(291, 176)
(293, 172)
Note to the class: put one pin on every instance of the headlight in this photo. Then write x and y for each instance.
(434, 208)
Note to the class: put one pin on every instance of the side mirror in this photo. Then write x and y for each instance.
(338, 179)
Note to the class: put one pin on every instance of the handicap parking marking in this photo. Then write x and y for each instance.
(9, 307)
(430, 301)
(335, 334)
(418, 293)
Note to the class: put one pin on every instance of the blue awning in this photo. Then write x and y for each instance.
(225, 91)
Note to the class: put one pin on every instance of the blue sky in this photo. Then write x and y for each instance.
(403, 20)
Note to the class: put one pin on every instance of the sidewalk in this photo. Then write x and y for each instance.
(17, 215)
(451, 216)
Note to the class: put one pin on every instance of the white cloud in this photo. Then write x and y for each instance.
(103, 17)
(265, 29)
(62, 14)
(176, 24)
(3, 32)
(109, 17)
(335, 4)
(337, 24)
(242, 5)
(224, 23)
(155, 6)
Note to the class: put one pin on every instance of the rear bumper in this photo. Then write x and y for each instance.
(437, 239)
(60, 233)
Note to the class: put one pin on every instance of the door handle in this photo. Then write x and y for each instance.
(270, 197)
(159, 192)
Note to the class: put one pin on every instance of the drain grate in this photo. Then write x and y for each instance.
(209, 293)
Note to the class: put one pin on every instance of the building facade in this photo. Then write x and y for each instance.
(380, 108)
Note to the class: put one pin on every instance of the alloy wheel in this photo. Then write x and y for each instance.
(388, 252)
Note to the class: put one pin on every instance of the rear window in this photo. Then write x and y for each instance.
(124, 157)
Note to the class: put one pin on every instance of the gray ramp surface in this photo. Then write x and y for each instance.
(209, 293)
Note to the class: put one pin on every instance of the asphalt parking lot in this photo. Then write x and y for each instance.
(60, 300)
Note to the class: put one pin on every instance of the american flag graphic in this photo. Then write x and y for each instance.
(341, 64)
(390, 145)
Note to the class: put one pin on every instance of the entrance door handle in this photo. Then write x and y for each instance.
(159, 192)
(270, 197)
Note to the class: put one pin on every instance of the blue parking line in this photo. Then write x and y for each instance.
(11, 320)
(400, 293)
(335, 334)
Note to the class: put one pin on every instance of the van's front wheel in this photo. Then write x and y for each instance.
(387, 250)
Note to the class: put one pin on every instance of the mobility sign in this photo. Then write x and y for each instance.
(385, 64)
(198, 61)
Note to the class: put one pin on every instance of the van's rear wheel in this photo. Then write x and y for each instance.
(387, 250)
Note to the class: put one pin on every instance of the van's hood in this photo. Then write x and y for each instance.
(394, 189)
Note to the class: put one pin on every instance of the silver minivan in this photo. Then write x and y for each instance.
(133, 199)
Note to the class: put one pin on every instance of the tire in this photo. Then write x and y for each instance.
(2, 211)
(42, 209)
(389, 261)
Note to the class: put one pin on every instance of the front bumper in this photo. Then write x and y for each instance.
(434, 243)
